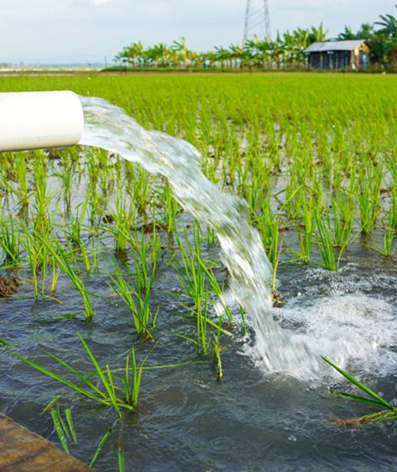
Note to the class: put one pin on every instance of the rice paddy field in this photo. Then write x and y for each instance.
(113, 345)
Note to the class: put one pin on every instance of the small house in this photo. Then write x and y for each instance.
(352, 54)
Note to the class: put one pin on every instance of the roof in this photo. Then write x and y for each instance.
(335, 46)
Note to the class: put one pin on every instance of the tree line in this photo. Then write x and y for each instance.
(285, 51)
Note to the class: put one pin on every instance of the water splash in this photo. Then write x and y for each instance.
(110, 128)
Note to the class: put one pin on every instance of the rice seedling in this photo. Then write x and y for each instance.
(217, 290)
(171, 208)
(137, 298)
(191, 272)
(141, 192)
(102, 443)
(59, 427)
(107, 393)
(65, 176)
(368, 195)
(34, 256)
(306, 236)
(10, 241)
(393, 208)
(146, 253)
(195, 278)
(64, 427)
(62, 259)
(123, 218)
(120, 454)
(326, 243)
(216, 346)
(387, 411)
(200, 313)
(75, 225)
(211, 237)
(41, 187)
(389, 245)
(310, 164)
(21, 169)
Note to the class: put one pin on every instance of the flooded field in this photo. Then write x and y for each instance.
(138, 303)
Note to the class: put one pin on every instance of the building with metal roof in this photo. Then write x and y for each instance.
(351, 54)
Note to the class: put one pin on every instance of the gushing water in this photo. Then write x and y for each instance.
(110, 128)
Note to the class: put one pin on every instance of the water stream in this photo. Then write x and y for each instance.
(110, 128)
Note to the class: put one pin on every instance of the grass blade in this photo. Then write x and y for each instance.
(58, 428)
(361, 386)
(69, 419)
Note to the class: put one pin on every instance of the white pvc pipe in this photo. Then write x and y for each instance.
(37, 120)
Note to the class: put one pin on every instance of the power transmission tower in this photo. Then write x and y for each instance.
(257, 19)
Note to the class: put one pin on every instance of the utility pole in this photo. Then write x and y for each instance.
(257, 19)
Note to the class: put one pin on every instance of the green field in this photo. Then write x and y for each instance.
(313, 155)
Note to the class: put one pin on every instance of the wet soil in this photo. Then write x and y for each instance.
(8, 286)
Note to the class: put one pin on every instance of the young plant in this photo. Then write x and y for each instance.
(216, 346)
(102, 443)
(62, 259)
(10, 240)
(106, 393)
(136, 298)
(22, 192)
(64, 427)
(343, 217)
(306, 236)
(191, 272)
(193, 279)
(34, 256)
(325, 241)
(387, 411)
(124, 218)
(171, 207)
(200, 313)
(388, 247)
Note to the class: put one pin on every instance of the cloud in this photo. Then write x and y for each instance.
(99, 28)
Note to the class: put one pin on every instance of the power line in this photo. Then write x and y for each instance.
(257, 19)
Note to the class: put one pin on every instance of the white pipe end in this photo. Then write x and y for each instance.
(37, 120)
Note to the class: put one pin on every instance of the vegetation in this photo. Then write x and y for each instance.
(387, 411)
(93, 236)
(285, 51)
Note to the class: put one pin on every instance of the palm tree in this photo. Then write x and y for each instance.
(158, 55)
(133, 53)
(238, 54)
(347, 34)
(388, 35)
(389, 25)
(366, 32)
(181, 49)
(223, 55)
(208, 59)
(278, 51)
(318, 34)
(302, 41)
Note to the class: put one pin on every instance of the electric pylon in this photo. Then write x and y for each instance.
(257, 19)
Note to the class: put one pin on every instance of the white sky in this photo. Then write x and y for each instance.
(89, 30)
